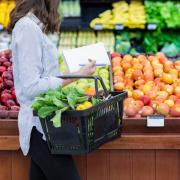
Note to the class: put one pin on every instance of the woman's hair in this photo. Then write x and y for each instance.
(45, 10)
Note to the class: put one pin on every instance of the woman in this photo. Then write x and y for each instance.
(35, 67)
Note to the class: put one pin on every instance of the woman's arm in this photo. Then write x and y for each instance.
(29, 65)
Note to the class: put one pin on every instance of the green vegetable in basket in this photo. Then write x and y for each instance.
(45, 111)
(58, 101)
(56, 119)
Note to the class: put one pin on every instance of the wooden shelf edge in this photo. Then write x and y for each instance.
(9, 143)
(128, 141)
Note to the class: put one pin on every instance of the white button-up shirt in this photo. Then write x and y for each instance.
(35, 67)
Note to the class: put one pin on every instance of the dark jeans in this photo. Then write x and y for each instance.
(45, 166)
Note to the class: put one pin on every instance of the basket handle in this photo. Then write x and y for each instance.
(96, 78)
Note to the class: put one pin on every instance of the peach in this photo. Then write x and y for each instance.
(175, 111)
(158, 72)
(168, 65)
(163, 109)
(145, 99)
(177, 65)
(128, 81)
(167, 78)
(117, 68)
(137, 93)
(155, 62)
(158, 66)
(177, 92)
(174, 73)
(118, 79)
(146, 88)
(141, 57)
(161, 56)
(128, 58)
(130, 111)
(177, 102)
(115, 54)
(137, 74)
(116, 61)
(162, 95)
(119, 86)
(126, 65)
(138, 66)
(161, 86)
(153, 104)
(148, 75)
(173, 97)
(169, 102)
(151, 94)
(135, 61)
(152, 58)
(138, 83)
(119, 73)
(138, 104)
(157, 80)
(151, 83)
(169, 89)
(146, 111)
(129, 101)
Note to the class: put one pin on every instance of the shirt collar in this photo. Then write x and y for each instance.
(35, 19)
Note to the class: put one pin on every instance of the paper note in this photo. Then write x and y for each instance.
(75, 58)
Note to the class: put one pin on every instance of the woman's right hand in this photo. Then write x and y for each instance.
(89, 68)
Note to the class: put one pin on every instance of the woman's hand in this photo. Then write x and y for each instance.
(89, 68)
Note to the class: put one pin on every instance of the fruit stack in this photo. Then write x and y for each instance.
(131, 16)
(6, 7)
(9, 106)
(152, 83)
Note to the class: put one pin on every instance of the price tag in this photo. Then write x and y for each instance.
(1, 27)
(119, 27)
(155, 121)
(152, 26)
(98, 27)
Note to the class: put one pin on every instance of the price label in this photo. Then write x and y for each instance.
(98, 27)
(1, 27)
(155, 121)
(119, 27)
(152, 26)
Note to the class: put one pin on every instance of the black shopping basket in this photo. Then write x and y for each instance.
(84, 131)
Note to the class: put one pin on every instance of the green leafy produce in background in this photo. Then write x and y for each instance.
(164, 14)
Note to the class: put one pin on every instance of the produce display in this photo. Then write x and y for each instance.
(88, 85)
(148, 42)
(129, 15)
(55, 102)
(6, 7)
(163, 14)
(70, 8)
(74, 39)
(152, 83)
(8, 101)
(166, 42)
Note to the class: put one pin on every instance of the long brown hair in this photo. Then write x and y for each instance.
(45, 10)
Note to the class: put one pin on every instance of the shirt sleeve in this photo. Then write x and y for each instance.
(30, 65)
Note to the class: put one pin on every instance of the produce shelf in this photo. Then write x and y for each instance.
(135, 135)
